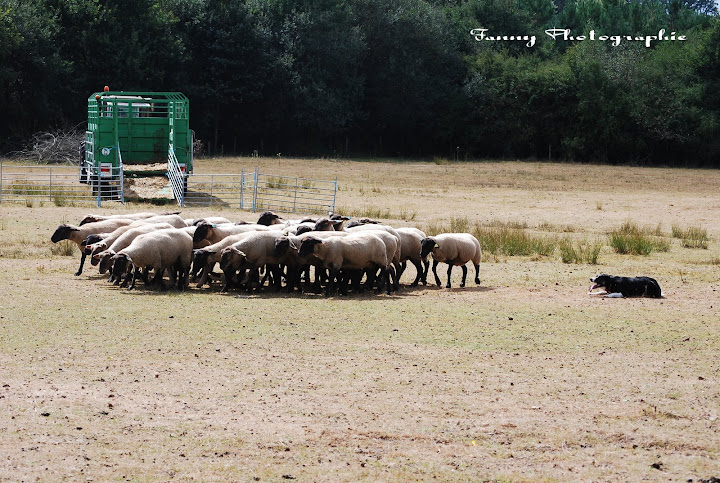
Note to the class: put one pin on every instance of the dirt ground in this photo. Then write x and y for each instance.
(523, 378)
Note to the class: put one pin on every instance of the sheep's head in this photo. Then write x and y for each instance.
(231, 259)
(427, 246)
(63, 232)
(302, 229)
(121, 264)
(202, 231)
(90, 219)
(307, 247)
(104, 259)
(283, 245)
(325, 224)
(200, 258)
(269, 218)
(91, 243)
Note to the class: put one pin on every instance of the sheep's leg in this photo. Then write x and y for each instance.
(396, 276)
(229, 274)
(126, 277)
(419, 275)
(426, 264)
(437, 279)
(330, 289)
(403, 266)
(385, 278)
(449, 285)
(464, 269)
(277, 269)
(477, 273)
(134, 276)
(82, 262)
(391, 272)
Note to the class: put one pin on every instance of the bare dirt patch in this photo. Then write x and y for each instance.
(524, 378)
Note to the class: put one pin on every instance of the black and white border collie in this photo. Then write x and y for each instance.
(625, 286)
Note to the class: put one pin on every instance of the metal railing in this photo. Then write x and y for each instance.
(293, 195)
(223, 190)
(176, 177)
(59, 184)
(254, 191)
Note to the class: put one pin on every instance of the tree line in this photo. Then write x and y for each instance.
(382, 78)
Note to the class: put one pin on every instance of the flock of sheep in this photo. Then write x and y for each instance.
(341, 251)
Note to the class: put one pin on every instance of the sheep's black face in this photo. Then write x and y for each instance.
(106, 262)
(268, 218)
(225, 259)
(62, 233)
(303, 229)
(282, 245)
(201, 232)
(89, 241)
(335, 216)
(426, 247)
(88, 219)
(307, 247)
(121, 265)
(200, 258)
(324, 225)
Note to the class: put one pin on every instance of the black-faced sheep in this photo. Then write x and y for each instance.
(204, 259)
(269, 218)
(364, 251)
(251, 253)
(104, 257)
(213, 233)
(410, 248)
(131, 216)
(163, 249)
(78, 234)
(453, 249)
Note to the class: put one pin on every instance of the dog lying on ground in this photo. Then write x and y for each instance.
(625, 286)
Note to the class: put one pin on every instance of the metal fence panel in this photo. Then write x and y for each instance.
(246, 191)
(59, 184)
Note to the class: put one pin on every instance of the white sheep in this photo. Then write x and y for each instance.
(213, 233)
(163, 249)
(363, 251)
(453, 249)
(132, 216)
(387, 233)
(78, 234)
(103, 258)
(410, 248)
(172, 219)
(204, 259)
(251, 253)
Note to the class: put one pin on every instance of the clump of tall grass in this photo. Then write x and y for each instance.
(505, 240)
(631, 239)
(579, 251)
(692, 237)
(65, 248)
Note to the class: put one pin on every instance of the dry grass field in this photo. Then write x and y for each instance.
(524, 378)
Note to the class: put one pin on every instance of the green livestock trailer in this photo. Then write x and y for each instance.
(135, 131)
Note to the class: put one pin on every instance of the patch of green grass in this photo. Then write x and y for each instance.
(631, 239)
(691, 237)
(579, 251)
